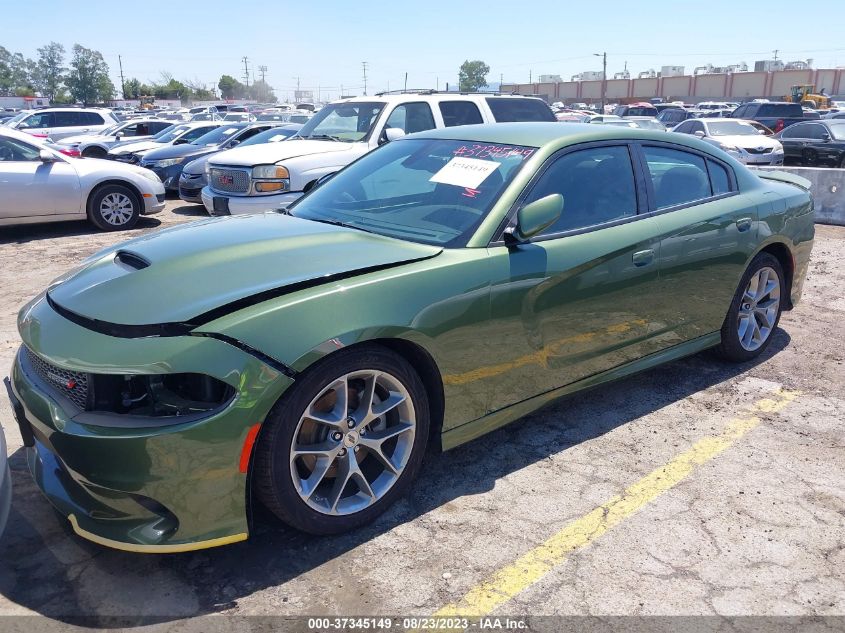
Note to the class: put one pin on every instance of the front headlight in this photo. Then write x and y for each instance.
(150, 175)
(729, 148)
(270, 172)
(168, 162)
(778, 147)
(271, 178)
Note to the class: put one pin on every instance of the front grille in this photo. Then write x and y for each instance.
(229, 180)
(189, 193)
(759, 150)
(72, 385)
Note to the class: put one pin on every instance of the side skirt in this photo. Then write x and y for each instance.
(467, 432)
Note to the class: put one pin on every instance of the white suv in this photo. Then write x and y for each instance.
(57, 123)
(271, 176)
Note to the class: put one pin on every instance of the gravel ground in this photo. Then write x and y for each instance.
(757, 530)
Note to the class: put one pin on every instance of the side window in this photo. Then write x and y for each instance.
(677, 177)
(684, 128)
(459, 113)
(696, 126)
(68, 119)
(597, 186)
(156, 127)
(411, 117)
(130, 130)
(816, 131)
(39, 120)
(13, 150)
(91, 118)
(798, 130)
(250, 133)
(510, 109)
(740, 112)
(718, 178)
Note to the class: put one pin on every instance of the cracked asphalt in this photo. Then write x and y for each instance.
(759, 529)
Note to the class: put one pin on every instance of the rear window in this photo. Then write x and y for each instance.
(459, 113)
(505, 110)
(641, 111)
(781, 110)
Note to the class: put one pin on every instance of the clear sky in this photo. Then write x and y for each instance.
(323, 43)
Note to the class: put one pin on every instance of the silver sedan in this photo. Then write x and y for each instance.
(38, 184)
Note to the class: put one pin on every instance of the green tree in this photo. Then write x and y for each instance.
(231, 88)
(49, 69)
(22, 72)
(473, 75)
(262, 92)
(131, 89)
(172, 90)
(5, 71)
(88, 79)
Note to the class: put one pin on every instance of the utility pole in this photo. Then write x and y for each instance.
(406, 82)
(262, 70)
(603, 77)
(246, 70)
(364, 65)
(122, 82)
(776, 54)
(530, 77)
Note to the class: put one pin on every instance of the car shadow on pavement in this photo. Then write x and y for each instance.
(23, 233)
(189, 209)
(47, 569)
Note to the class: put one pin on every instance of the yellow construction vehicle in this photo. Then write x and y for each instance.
(803, 94)
(147, 102)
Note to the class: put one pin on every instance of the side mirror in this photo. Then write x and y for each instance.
(698, 133)
(825, 137)
(534, 218)
(391, 134)
(46, 156)
(180, 141)
(119, 135)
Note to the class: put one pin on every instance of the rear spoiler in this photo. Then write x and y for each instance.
(783, 176)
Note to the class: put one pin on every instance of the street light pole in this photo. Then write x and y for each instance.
(603, 77)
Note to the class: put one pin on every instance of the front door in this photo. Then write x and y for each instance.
(578, 299)
(31, 187)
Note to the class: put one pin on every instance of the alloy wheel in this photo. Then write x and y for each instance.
(353, 442)
(116, 208)
(758, 309)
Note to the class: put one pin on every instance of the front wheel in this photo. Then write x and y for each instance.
(114, 207)
(345, 443)
(755, 310)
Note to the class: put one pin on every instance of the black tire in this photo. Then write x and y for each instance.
(94, 152)
(96, 215)
(731, 348)
(272, 479)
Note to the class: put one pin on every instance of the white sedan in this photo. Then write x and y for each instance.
(39, 184)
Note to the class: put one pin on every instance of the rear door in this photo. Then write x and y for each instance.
(708, 230)
(794, 139)
(578, 299)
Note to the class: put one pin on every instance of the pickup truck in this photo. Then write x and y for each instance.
(270, 176)
(775, 115)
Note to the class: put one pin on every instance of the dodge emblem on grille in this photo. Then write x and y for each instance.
(67, 384)
(225, 180)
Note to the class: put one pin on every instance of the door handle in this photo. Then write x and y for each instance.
(643, 258)
(743, 224)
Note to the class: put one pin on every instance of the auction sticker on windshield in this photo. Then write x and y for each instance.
(465, 172)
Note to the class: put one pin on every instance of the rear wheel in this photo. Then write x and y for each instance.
(93, 152)
(114, 207)
(345, 443)
(755, 310)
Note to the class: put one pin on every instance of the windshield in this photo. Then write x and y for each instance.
(112, 129)
(218, 135)
(18, 117)
(273, 135)
(837, 131)
(170, 134)
(731, 128)
(649, 124)
(346, 122)
(422, 190)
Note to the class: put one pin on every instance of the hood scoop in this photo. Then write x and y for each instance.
(130, 260)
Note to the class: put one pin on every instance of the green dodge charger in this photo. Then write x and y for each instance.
(436, 289)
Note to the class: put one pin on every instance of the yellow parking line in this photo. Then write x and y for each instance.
(507, 582)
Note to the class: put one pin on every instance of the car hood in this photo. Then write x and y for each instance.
(197, 165)
(267, 153)
(127, 147)
(179, 278)
(179, 151)
(747, 141)
(88, 166)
